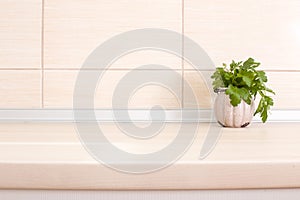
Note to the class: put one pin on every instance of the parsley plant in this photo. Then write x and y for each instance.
(243, 82)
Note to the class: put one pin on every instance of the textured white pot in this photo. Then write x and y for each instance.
(230, 116)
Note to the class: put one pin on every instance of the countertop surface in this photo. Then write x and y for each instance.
(50, 155)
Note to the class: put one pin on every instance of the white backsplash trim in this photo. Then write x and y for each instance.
(190, 115)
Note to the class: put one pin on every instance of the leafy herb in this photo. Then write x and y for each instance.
(243, 82)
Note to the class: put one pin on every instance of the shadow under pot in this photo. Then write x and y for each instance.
(228, 115)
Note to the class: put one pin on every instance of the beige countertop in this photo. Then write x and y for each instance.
(49, 155)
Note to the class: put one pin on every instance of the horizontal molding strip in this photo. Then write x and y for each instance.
(108, 115)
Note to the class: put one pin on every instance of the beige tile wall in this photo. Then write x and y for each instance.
(20, 34)
(20, 89)
(43, 43)
(267, 30)
(59, 87)
(20, 53)
(74, 28)
(285, 83)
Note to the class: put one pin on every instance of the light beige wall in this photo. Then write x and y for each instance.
(268, 31)
(43, 43)
(20, 53)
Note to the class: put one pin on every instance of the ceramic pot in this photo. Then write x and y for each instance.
(230, 116)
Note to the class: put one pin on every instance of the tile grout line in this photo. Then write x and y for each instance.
(42, 54)
(182, 54)
(19, 69)
(114, 69)
(126, 69)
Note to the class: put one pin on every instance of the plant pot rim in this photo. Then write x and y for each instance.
(220, 90)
